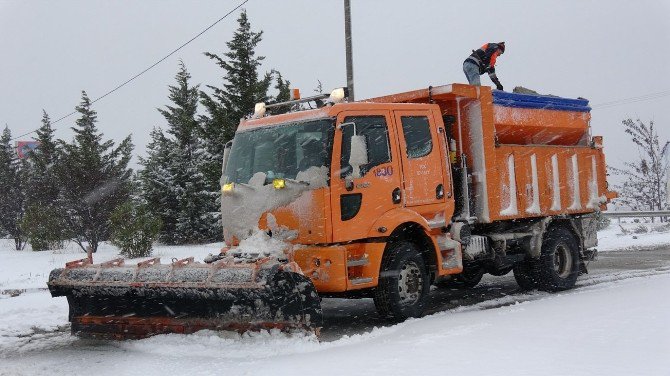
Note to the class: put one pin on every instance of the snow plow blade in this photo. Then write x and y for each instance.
(115, 301)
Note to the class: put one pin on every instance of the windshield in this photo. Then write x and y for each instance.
(280, 151)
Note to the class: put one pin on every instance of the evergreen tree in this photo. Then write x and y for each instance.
(174, 179)
(134, 229)
(94, 177)
(43, 189)
(12, 190)
(243, 87)
(283, 88)
(158, 187)
(45, 224)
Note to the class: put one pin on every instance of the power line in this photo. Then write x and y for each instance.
(640, 98)
(145, 70)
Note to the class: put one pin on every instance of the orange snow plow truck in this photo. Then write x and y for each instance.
(378, 198)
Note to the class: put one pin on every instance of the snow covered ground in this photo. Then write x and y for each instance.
(612, 238)
(613, 324)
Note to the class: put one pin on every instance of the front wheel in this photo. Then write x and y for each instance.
(403, 283)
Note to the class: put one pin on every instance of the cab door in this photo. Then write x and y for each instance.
(357, 202)
(422, 162)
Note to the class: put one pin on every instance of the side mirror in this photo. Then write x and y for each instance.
(358, 155)
(226, 152)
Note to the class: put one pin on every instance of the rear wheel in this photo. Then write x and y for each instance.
(558, 265)
(403, 283)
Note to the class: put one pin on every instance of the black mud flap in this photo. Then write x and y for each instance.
(588, 255)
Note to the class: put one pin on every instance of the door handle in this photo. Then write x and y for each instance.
(349, 184)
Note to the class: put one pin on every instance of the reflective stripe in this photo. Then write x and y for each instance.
(493, 59)
(475, 60)
(485, 57)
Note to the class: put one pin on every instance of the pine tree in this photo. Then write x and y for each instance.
(186, 204)
(243, 87)
(94, 177)
(158, 186)
(283, 88)
(645, 185)
(12, 190)
(43, 189)
(44, 221)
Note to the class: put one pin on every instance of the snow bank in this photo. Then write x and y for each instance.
(258, 245)
(29, 317)
(30, 270)
(613, 239)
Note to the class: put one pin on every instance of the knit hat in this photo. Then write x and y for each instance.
(501, 45)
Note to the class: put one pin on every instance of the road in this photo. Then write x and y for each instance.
(344, 317)
(349, 317)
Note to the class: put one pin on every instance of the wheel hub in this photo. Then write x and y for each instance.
(410, 283)
(562, 261)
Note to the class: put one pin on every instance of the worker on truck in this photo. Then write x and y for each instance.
(483, 60)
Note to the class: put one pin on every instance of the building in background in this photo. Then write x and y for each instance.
(23, 147)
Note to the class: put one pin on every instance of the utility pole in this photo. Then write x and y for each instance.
(347, 38)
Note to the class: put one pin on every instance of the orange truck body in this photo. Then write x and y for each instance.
(526, 167)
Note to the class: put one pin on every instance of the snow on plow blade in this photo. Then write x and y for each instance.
(115, 301)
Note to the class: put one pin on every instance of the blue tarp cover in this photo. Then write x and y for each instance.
(546, 102)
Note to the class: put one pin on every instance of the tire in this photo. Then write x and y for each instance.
(558, 266)
(403, 283)
(523, 274)
(469, 278)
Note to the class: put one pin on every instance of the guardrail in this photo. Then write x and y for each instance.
(637, 213)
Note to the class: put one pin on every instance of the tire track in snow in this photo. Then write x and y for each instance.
(584, 284)
(36, 340)
(13, 293)
(351, 318)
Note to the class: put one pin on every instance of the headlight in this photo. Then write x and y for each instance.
(279, 183)
(338, 95)
(259, 110)
(227, 188)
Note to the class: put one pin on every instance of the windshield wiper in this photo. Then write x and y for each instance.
(297, 181)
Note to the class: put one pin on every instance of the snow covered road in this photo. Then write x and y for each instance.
(615, 322)
(612, 325)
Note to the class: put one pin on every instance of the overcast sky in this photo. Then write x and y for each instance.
(600, 50)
